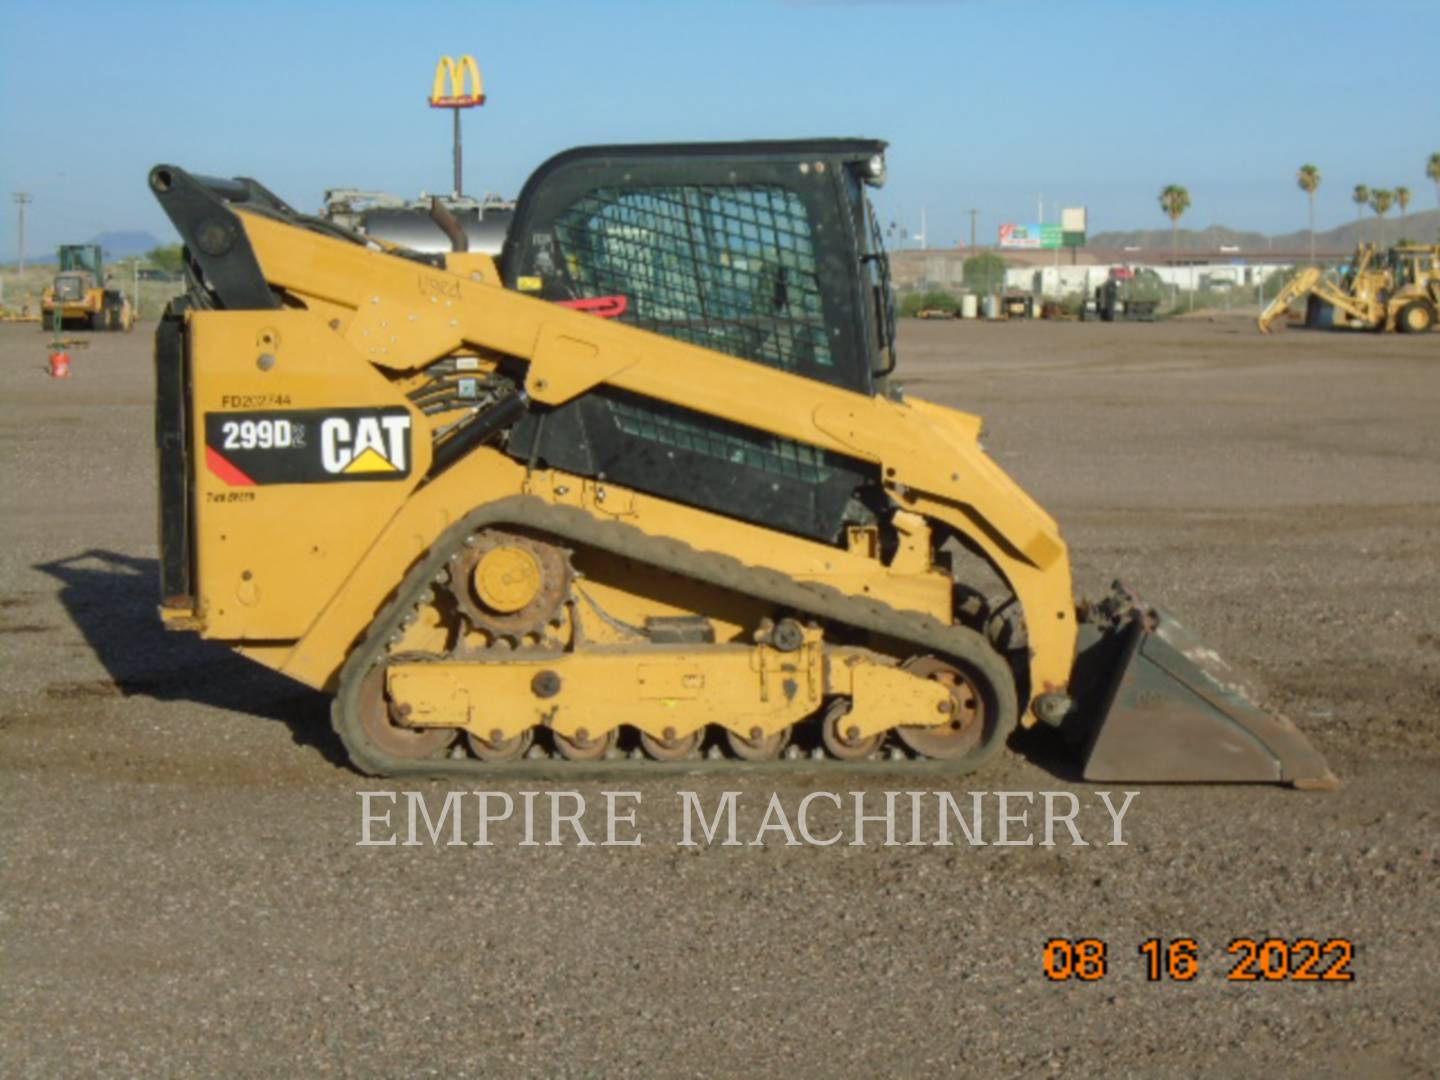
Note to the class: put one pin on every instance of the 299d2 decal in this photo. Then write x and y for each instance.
(308, 446)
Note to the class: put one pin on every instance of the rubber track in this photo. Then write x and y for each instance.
(925, 632)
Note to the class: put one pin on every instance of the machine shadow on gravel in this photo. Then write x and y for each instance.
(111, 598)
(1048, 750)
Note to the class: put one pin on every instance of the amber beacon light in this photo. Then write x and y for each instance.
(461, 76)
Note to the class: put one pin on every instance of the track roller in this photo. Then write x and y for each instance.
(585, 747)
(672, 747)
(842, 740)
(758, 746)
(499, 748)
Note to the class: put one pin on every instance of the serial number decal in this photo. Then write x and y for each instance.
(254, 401)
(1268, 959)
(308, 446)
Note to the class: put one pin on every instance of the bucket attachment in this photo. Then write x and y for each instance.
(1167, 708)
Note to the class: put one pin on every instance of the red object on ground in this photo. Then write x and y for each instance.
(606, 307)
(60, 364)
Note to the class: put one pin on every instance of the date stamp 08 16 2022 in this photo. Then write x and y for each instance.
(1248, 959)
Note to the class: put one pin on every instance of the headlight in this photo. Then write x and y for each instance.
(875, 171)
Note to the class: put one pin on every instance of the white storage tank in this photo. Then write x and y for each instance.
(969, 306)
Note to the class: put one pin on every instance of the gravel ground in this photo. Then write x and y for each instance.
(183, 893)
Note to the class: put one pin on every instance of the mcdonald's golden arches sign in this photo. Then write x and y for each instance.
(463, 77)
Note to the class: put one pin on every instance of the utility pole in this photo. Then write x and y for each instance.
(972, 213)
(22, 200)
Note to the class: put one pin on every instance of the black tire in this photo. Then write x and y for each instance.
(100, 319)
(1415, 317)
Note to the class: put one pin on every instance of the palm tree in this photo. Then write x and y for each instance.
(1380, 200)
(1361, 198)
(1432, 170)
(1309, 179)
(1174, 200)
(1402, 200)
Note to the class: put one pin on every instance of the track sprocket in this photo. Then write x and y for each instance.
(508, 584)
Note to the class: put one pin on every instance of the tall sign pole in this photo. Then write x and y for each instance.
(22, 200)
(465, 92)
(459, 166)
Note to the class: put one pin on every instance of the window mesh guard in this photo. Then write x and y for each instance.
(726, 267)
(730, 443)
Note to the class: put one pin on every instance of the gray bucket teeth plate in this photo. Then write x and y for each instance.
(1167, 708)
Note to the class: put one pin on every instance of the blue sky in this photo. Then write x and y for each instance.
(985, 104)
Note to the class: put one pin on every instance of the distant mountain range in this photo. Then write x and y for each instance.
(1420, 226)
(121, 245)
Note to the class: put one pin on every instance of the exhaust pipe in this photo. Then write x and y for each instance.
(449, 225)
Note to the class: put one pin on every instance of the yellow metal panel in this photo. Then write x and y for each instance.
(487, 475)
(405, 316)
(565, 365)
(885, 697)
(269, 556)
(653, 688)
(475, 265)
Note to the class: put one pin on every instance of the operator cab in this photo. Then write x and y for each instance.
(767, 251)
(1411, 265)
(79, 271)
(82, 258)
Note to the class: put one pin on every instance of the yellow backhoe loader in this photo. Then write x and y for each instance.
(1401, 293)
(638, 492)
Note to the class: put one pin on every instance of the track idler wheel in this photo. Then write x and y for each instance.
(758, 746)
(499, 748)
(384, 728)
(844, 740)
(584, 746)
(977, 724)
(963, 731)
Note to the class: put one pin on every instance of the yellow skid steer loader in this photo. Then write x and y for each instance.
(640, 490)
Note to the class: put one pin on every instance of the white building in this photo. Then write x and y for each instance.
(1067, 280)
(1054, 274)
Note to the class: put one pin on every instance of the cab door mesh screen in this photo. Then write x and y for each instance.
(729, 267)
(726, 267)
